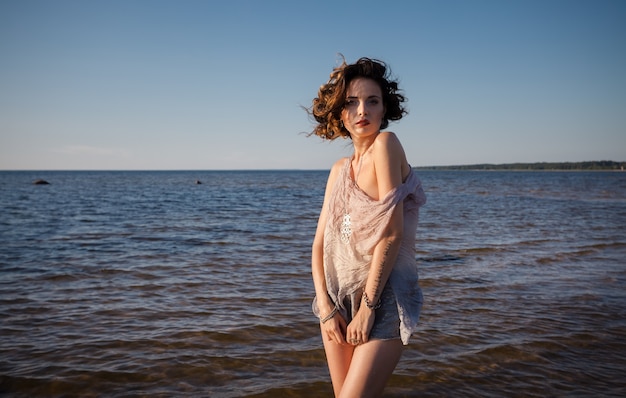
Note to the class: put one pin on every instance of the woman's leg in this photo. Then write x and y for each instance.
(339, 357)
(371, 366)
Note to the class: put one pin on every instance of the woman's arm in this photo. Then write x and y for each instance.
(389, 163)
(334, 327)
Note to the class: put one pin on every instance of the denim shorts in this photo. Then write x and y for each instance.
(387, 320)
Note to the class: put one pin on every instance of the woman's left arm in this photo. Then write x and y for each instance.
(389, 161)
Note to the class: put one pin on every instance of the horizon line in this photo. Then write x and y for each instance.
(326, 169)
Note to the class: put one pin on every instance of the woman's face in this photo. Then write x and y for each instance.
(363, 111)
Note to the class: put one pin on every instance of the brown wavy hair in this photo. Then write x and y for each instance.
(331, 97)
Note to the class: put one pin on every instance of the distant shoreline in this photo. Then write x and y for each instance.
(601, 165)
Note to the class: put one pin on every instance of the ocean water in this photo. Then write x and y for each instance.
(133, 284)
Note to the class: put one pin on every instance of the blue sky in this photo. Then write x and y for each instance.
(220, 84)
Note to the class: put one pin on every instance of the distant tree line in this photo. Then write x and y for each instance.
(581, 166)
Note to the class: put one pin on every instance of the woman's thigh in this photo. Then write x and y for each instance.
(371, 366)
(339, 357)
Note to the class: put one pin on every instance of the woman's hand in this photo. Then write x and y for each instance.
(359, 329)
(335, 329)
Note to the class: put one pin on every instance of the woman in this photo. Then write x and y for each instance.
(363, 255)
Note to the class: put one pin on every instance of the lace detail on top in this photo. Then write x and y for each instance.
(346, 265)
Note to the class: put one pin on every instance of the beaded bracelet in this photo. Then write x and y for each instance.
(369, 305)
(329, 316)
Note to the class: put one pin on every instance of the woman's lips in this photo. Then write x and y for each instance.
(362, 123)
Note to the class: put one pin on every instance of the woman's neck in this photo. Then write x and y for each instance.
(361, 146)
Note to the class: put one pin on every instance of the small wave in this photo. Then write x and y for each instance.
(298, 390)
(444, 258)
(58, 278)
(484, 250)
(607, 245)
(575, 255)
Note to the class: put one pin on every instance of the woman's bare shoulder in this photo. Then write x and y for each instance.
(335, 169)
(337, 166)
(388, 139)
(387, 143)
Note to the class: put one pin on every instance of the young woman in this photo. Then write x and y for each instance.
(363, 255)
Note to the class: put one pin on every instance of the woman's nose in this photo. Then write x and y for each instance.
(362, 110)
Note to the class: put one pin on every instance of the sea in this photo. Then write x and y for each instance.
(198, 284)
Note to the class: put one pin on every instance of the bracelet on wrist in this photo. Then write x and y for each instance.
(329, 316)
(369, 304)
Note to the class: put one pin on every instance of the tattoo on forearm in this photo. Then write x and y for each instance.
(380, 271)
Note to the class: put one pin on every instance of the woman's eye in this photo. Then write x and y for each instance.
(350, 102)
(373, 102)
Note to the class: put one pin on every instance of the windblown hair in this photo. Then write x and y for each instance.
(331, 97)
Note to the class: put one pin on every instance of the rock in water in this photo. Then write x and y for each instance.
(41, 182)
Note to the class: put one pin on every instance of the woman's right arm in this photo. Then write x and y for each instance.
(334, 327)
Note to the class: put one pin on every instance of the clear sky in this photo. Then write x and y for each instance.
(220, 84)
